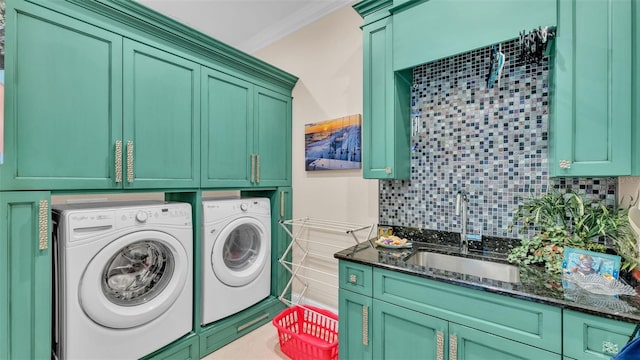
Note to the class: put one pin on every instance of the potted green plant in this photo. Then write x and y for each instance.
(569, 220)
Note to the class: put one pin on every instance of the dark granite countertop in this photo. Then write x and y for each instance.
(535, 284)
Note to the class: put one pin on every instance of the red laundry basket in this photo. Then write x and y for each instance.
(308, 333)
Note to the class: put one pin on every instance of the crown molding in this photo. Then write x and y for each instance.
(143, 19)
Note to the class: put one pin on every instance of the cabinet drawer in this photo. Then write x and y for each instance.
(355, 277)
(528, 322)
(589, 337)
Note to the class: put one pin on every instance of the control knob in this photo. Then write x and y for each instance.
(142, 216)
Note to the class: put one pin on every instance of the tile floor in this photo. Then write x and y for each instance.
(260, 344)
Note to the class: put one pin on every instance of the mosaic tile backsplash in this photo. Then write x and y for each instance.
(489, 142)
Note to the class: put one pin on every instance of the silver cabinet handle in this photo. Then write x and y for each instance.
(257, 168)
(365, 325)
(353, 279)
(388, 170)
(43, 225)
(440, 344)
(118, 161)
(453, 347)
(282, 209)
(565, 164)
(253, 168)
(130, 161)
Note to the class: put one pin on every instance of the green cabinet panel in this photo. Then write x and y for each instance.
(246, 133)
(282, 209)
(272, 137)
(437, 29)
(591, 118)
(355, 277)
(589, 337)
(354, 327)
(63, 102)
(227, 128)
(529, 322)
(25, 275)
(386, 121)
(220, 333)
(472, 344)
(405, 334)
(635, 101)
(187, 348)
(161, 142)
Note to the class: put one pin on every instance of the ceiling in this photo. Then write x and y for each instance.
(248, 25)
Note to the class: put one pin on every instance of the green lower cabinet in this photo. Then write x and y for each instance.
(25, 275)
(588, 337)
(472, 344)
(354, 328)
(183, 349)
(404, 334)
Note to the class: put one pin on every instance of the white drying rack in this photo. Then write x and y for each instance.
(295, 229)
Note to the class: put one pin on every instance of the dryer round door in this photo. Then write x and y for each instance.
(240, 252)
(134, 279)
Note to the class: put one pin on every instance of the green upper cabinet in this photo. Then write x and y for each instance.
(425, 31)
(63, 102)
(161, 142)
(87, 110)
(635, 101)
(25, 275)
(591, 119)
(272, 138)
(386, 97)
(227, 125)
(246, 133)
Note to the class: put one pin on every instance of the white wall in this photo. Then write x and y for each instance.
(327, 58)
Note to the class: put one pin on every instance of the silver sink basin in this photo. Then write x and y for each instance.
(462, 265)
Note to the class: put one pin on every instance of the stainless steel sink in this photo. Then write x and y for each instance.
(463, 265)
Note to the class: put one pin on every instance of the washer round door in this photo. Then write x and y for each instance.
(134, 279)
(240, 252)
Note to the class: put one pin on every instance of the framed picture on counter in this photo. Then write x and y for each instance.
(584, 262)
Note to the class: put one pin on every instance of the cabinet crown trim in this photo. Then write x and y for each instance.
(368, 7)
(147, 20)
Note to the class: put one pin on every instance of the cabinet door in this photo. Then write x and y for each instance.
(385, 124)
(591, 124)
(354, 328)
(471, 344)
(283, 210)
(227, 130)
(63, 102)
(25, 275)
(404, 334)
(589, 337)
(161, 142)
(272, 138)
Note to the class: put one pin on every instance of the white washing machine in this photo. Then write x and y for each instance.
(236, 255)
(122, 278)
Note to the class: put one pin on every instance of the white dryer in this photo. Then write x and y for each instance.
(236, 255)
(122, 278)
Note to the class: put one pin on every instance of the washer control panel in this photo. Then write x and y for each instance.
(220, 209)
(84, 223)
